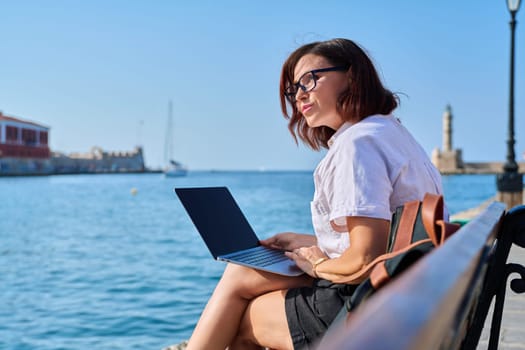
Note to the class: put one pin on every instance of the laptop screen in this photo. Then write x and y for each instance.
(218, 219)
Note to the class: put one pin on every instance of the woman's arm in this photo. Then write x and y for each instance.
(368, 239)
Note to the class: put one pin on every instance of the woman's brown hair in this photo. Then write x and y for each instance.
(364, 97)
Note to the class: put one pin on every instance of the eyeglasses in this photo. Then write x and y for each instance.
(308, 81)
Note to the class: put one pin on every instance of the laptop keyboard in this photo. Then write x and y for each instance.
(260, 256)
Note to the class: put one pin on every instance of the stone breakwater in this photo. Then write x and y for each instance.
(97, 161)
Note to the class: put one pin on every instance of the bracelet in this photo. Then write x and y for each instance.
(314, 266)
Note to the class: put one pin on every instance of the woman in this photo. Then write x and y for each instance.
(334, 99)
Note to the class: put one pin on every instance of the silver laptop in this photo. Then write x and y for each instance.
(226, 232)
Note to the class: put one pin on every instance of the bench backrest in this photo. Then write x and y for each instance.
(430, 306)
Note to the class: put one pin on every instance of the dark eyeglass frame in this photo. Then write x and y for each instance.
(296, 86)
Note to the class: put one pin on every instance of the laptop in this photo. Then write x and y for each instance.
(226, 232)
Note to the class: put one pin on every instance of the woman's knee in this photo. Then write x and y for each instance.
(244, 281)
(249, 283)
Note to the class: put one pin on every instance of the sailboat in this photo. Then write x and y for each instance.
(173, 168)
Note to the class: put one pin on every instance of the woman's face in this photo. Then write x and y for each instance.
(319, 106)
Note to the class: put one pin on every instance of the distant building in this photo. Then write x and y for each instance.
(24, 147)
(23, 139)
(99, 161)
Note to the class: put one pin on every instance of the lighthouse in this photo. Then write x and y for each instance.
(447, 159)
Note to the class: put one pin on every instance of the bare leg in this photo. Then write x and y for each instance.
(264, 324)
(220, 320)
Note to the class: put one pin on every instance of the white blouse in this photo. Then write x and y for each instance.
(370, 169)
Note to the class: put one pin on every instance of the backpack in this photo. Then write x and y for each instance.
(416, 228)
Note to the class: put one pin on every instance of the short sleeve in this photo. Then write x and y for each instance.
(361, 183)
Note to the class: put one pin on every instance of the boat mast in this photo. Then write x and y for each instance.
(168, 146)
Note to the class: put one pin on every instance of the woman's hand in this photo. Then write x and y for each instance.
(289, 241)
(306, 257)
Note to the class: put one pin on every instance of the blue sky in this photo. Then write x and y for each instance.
(101, 73)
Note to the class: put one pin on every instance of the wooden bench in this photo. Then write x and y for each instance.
(443, 300)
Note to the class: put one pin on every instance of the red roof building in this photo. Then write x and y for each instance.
(23, 139)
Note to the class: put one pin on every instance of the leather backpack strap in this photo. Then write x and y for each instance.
(387, 269)
(379, 275)
(431, 212)
(447, 229)
(405, 229)
(359, 276)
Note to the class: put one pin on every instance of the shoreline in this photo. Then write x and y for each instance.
(82, 173)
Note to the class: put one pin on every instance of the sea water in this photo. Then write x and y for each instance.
(114, 262)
